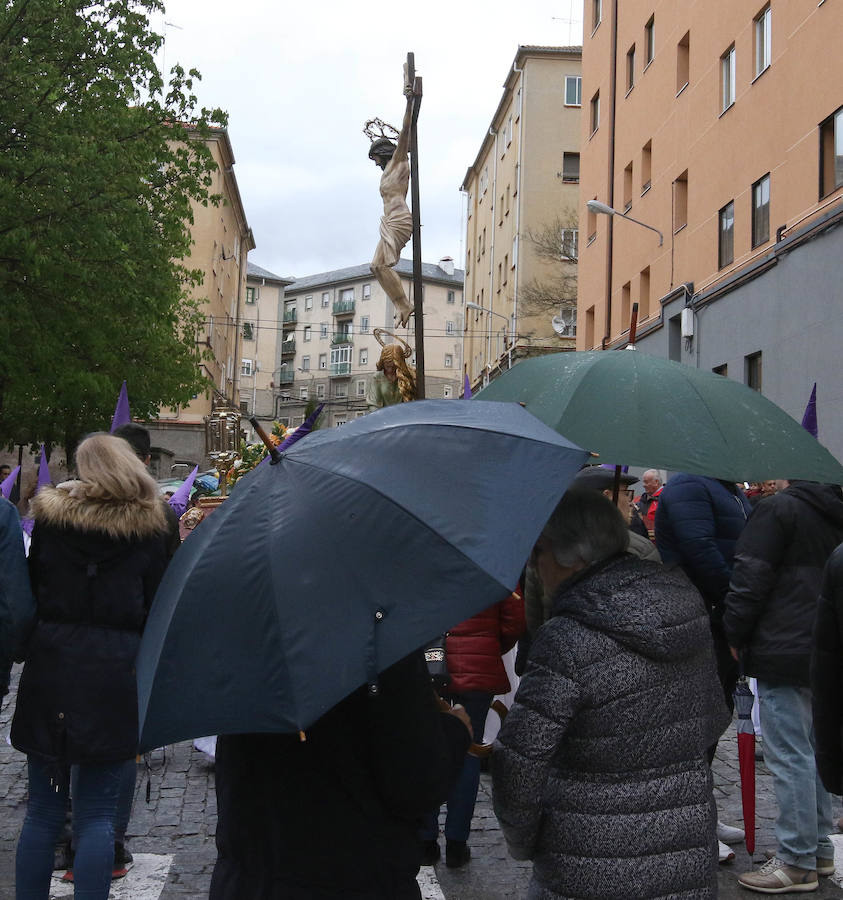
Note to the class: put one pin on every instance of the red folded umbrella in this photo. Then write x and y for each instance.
(746, 758)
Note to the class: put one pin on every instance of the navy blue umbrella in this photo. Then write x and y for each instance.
(358, 547)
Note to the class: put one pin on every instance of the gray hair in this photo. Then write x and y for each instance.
(586, 527)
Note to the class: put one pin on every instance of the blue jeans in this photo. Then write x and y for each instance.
(95, 790)
(463, 795)
(804, 821)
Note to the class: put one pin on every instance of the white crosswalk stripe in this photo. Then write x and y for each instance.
(429, 885)
(837, 840)
(145, 881)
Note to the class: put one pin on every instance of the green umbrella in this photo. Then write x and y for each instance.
(645, 411)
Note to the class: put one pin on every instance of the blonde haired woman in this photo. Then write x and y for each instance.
(98, 552)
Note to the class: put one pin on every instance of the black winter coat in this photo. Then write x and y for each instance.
(599, 769)
(779, 560)
(827, 676)
(336, 817)
(94, 569)
(698, 522)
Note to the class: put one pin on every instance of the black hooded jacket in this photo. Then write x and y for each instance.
(779, 559)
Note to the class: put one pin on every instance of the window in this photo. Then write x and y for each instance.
(680, 202)
(367, 291)
(245, 367)
(326, 299)
(595, 112)
(341, 389)
(507, 199)
(363, 358)
(726, 235)
(305, 363)
(509, 131)
(625, 307)
(752, 370)
(250, 295)
(627, 187)
(831, 153)
(596, 13)
(514, 250)
(307, 332)
(308, 302)
(505, 267)
(346, 295)
(571, 168)
(364, 324)
(449, 327)
(683, 63)
(323, 330)
(323, 360)
(340, 421)
(761, 211)
(341, 360)
(248, 331)
(451, 296)
(360, 387)
(573, 90)
(449, 361)
(303, 393)
(447, 391)
(644, 294)
(630, 68)
(570, 243)
(320, 391)
(721, 370)
(650, 40)
(763, 40)
(727, 79)
(500, 276)
(646, 167)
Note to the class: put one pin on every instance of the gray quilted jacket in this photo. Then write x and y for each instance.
(599, 771)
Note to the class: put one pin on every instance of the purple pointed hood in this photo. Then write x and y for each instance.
(9, 482)
(179, 499)
(809, 419)
(122, 415)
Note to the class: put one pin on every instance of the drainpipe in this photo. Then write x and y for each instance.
(521, 86)
(613, 74)
(494, 135)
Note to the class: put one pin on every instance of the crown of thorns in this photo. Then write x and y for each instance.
(381, 134)
(380, 333)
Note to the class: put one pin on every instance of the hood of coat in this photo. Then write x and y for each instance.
(826, 499)
(652, 610)
(66, 507)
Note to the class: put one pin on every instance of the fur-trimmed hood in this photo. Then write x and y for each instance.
(66, 507)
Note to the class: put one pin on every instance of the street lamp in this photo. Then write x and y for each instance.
(595, 206)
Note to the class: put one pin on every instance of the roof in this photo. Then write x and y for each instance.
(524, 50)
(253, 271)
(430, 272)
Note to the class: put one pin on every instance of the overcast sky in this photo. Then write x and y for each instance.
(299, 80)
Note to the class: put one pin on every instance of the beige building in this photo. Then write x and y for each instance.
(329, 352)
(261, 331)
(522, 194)
(721, 126)
(222, 240)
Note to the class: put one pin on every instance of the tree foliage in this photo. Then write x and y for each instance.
(99, 164)
(554, 291)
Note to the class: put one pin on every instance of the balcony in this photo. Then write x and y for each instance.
(343, 307)
(288, 347)
(286, 377)
(290, 316)
(340, 337)
(340, 370)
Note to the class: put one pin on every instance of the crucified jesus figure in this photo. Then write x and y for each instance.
(396, 226)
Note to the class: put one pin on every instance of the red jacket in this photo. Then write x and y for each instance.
(475, 647)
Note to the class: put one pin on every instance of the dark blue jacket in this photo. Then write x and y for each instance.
(698, 522)
(17, 607)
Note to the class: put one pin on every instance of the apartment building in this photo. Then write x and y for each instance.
(222, 240)
(522, 233)
(719, 124)
(261, 334)
(328, 351)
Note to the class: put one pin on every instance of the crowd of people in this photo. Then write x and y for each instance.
(633, 620)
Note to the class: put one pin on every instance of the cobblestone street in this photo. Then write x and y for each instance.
(172, 836)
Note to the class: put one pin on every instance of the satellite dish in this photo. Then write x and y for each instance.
(560, 326)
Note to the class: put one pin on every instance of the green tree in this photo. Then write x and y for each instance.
(99, 164)
(554, 291)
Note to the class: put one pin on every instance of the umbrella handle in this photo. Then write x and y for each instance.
(273, 452)
(481, 751)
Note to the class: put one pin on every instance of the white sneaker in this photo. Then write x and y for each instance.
(727, 854)
(729, 834)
